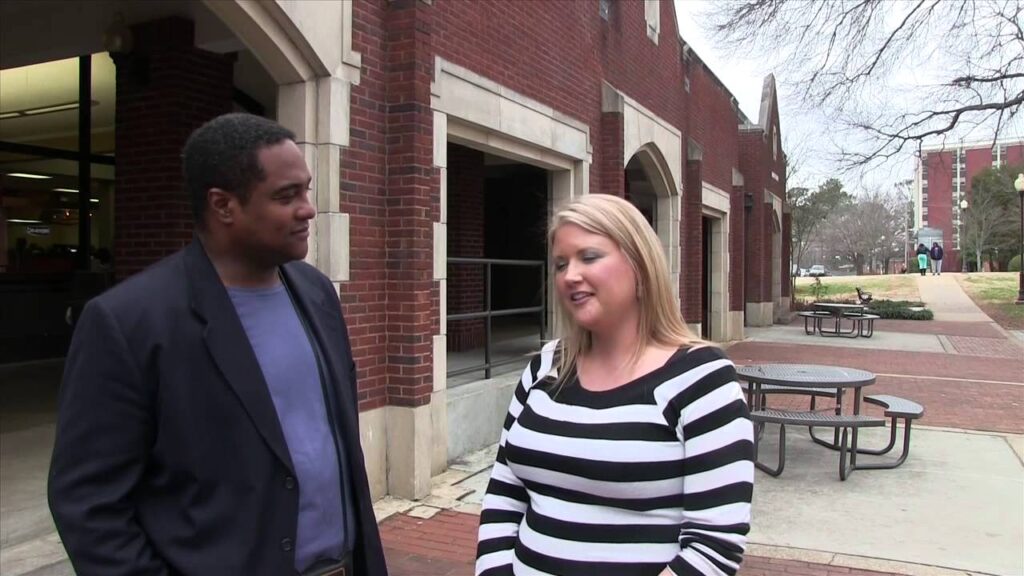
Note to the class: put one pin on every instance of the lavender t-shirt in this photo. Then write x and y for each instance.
(289, 366)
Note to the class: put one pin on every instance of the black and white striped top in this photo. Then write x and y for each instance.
(657, 472)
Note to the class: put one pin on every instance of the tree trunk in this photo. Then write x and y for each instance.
(977, 258)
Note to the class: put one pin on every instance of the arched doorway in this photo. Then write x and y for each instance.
(648, 186)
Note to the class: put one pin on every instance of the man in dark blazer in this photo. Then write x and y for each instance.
(207, 421)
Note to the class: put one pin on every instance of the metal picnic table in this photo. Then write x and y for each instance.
(813, 380)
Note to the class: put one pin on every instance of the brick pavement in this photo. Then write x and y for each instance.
(922, 364)
(445, 545)
(992, 347)
(946, 328)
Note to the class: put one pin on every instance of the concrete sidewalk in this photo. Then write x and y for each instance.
(947, 300)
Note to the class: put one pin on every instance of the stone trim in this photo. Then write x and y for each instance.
(477, 100)
(717, 204)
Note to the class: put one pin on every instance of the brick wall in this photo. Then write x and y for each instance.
(712, 122)
(609, 156)
(557, 53)
(737, 245)
(466, 289)
(363, 183)
(413, 203)
(165, 89)
(691, 238)
(757, 285)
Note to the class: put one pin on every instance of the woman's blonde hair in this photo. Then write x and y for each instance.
(660, 319)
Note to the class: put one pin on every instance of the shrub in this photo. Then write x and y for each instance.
(1014, 265)
(900, 310)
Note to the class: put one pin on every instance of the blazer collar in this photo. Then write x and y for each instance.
(229, 346)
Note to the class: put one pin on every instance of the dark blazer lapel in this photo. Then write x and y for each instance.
(229, 346)
(320, 309)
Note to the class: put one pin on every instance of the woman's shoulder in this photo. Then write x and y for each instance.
(697, 360)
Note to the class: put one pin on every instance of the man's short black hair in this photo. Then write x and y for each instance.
(224, 153)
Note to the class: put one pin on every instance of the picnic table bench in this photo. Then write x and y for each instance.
(862, 323)
(830, 382)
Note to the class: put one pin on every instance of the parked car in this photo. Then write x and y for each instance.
(818, 270)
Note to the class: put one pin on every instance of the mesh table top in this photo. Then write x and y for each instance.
(805, 375)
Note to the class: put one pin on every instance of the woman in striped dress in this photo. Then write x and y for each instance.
(627, 448)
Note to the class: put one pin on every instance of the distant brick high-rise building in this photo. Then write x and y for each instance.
(943, 180)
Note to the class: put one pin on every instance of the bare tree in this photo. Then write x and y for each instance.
(867, 232)
(847, 56)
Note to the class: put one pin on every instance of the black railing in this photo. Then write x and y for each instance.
(487, 314)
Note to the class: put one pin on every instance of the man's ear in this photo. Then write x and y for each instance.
(223, 206)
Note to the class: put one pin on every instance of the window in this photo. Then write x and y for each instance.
(652, 13)
(1001, 155)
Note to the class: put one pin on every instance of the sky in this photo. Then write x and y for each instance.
(807, 135)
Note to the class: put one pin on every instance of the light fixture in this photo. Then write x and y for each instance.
(48, 109)
(28, 176)
(118, 38)
(68, 190)
(94, 200)
(20, 221)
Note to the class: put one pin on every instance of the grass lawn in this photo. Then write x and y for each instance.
(889, 287)
(994, 293)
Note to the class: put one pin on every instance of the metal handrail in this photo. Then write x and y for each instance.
(488, 314)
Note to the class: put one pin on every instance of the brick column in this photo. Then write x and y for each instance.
(166, 88)
(612, 170)
(413, 206)
(787, 268)
(466, 284)
(691, 236)
(737, 241)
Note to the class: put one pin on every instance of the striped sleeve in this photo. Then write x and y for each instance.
(506, 500)
(712, 421)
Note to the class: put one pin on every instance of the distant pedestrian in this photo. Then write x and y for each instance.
(936, 255)
(922, 258)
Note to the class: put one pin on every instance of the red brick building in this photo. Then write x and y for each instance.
(440, 136)
(943, 180)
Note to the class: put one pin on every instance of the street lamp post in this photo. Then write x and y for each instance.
(1019, 185)
(963, 228)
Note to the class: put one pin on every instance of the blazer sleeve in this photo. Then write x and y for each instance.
(105, 428)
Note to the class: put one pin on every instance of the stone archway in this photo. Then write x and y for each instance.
(649, 187)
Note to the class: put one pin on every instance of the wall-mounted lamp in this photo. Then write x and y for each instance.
(748, 201)
(119, 42)
(117, 38)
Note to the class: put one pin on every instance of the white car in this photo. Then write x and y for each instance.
(817, 270)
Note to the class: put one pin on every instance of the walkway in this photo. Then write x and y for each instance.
(947, 300)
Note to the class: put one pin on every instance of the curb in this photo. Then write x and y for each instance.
(858, 562)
